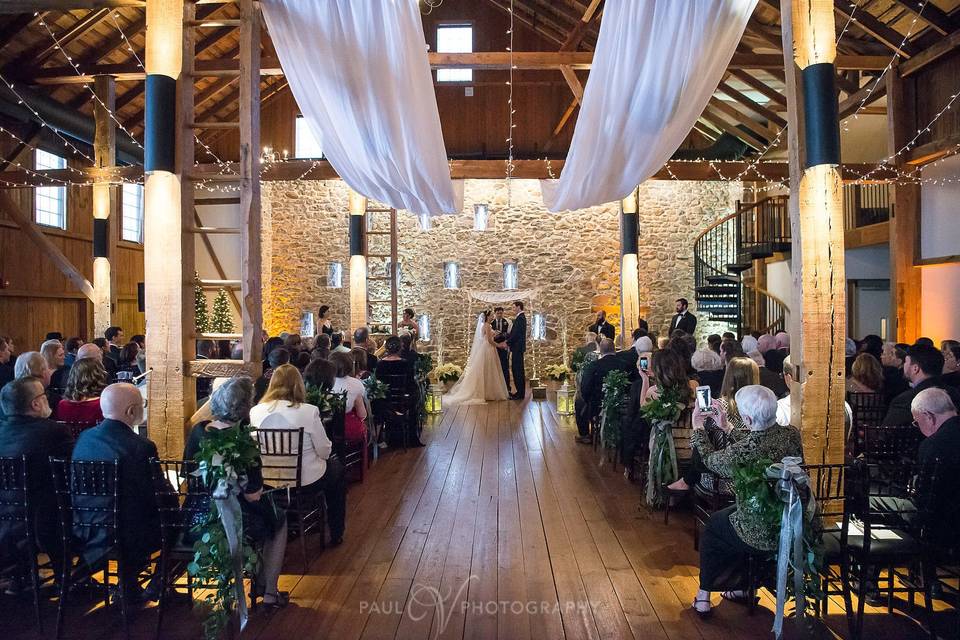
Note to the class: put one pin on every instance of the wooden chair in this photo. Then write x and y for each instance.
(96, 484)
(282, 465)
(17, 513)
(397, 410)
(76, 428)
(896, 444)
(828, 485)
(868, 409)
(352, 453)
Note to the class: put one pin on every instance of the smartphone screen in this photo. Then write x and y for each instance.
(643, 363)
(704, 399)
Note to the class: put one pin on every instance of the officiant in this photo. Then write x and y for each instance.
(601, 327)
(501, 327)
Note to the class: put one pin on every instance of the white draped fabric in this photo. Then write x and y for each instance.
(656, 65)
(359, 71)
(499, 297)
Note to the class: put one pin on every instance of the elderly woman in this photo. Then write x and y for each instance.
(734, 534)
(708, 366)
(262, 523)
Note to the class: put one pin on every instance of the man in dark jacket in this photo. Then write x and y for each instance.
(601, 327)
(139, 521)
(28, 431)
(684, 320)
(922, 368)
(590, 390)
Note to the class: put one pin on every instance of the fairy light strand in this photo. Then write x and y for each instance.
(511, 110)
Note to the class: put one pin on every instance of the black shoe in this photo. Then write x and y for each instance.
(516, 396)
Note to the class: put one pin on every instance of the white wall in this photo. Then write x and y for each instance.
(868, 263)
(939, 237)
(780, 282)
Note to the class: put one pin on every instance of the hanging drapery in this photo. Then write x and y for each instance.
(359, 71)
(500, 297)
(656, 65)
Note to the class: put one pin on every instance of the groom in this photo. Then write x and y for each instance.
(517, 342)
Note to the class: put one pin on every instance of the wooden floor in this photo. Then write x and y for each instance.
(502, 527)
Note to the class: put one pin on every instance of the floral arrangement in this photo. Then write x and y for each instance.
(381, 329)
(662, 413)
(325, 400)
(558, 372)
(447, 372)
(376, 390)
(577, 360)
(616, 385)
(225, 456)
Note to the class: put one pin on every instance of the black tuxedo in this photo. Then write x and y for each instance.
(685, 321)
(138, 518)
(517, 341)
(502, 326)
(604, 329)
(898, 413)
(38, 439)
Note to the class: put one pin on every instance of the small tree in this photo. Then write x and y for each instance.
(200, 306)
(222, 320)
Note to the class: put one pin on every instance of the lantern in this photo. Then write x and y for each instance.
(565, 397)
(434, 399)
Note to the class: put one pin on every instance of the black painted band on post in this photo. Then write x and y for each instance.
(160, 120)
(628, 233)
(822, 125)
(141, 297)
(356, 235)
(101, 237)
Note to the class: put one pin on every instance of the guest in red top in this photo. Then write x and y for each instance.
(81, 401)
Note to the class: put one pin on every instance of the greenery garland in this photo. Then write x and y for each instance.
(376, 390)
(224, 458)
(661, 413)
(325, 400)
(616, 385)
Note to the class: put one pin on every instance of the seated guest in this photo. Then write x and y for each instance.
(301, 360)
(206, 350)
(27, 430)
(278, 357)
(951, 363)
(866, 375)
(71, 347)
(590, 390)
(713, 343)
(361, 339)
(935, 415)
(336, 344)
(409, 351)
(284, 407)
(321, 348)
(708, 366)
(139, 521)
(320, 373)
(230, 406)
(293, 343)
(772, 357)
(398, 372)
(783, 341)
(359, 355)
(347, 382)
(733, 534)
(892, 357)
(127, 359)
(922, 368)
(114, 337)
(55, 355)
(270, 345)
(140, 339)
(784, 407)
(6, 362)
(90, 350)
(924, 341)
(601, 327)
(81, 398)
(33, 364)
(108, 362)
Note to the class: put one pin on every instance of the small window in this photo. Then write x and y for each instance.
(308, 327)
(538, 330)
(510, 276)
(50, 203)
(481, 217)
(335, 275)
(305, 144)
(423, 328)
(451, 275)
(131, 201)
(454, 38)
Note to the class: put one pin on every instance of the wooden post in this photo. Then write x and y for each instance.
(629, 269)
(905, 277)
(817, 212)
(104, 206)
(358, 261)
(168, 208)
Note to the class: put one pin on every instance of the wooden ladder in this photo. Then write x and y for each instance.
(377, 303)
(247, 176)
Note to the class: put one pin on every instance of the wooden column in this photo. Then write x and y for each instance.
(905, 277)
(105, 222)
(168, 208)
(629, 269)
(358, 261)
(817, 212)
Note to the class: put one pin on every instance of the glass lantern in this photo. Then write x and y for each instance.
(434, 399)
(565, 399)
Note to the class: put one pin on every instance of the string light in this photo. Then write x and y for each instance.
(511, 110)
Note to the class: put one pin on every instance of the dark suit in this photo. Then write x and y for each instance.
(138, 518)
(372, 361)
(898, 413)
(773, 358)
(590, 394)
(517, 341)
(6, 373)
(774, 382)
(502, 326)
(38, 439)
(602, 329)
(685, 321)
(894, 383)
(712, 379)
(944, 446)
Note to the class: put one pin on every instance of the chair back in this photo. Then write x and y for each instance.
(876, 504)
(14, 497)
(335, 425)
(281, 456)
(76, 428)
(827, 482)
(891, 443)
(938, 511)
(868, 409)
(179, 494)
(88, 496)
(400, 394)
(682, 433)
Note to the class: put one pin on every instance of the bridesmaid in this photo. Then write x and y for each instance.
(326, 326)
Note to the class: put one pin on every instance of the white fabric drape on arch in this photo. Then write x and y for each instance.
(499, 297)
(359, 71)
(656, 65)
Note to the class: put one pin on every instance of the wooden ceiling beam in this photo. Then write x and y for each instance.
(870, 92)
(720, 121)
(932, 15)
(753, 106)
(33, 58)
(739, 117)
(29, 6)
(888, 36)
(529, 23)
(14, 26)
(930, 54)
(760, 85)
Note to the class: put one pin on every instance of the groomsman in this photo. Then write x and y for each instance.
(601, 327)
(684, 320)
(501, 327)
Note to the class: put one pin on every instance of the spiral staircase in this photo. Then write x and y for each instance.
(726, 251)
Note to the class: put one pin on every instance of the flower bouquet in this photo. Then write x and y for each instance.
(448, 373)
(558, 372)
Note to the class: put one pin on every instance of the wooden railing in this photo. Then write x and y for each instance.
(763, 311)
(865, 204)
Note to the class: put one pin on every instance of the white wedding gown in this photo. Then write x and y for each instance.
(482, 378)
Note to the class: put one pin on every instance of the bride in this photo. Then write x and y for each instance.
(482, 378)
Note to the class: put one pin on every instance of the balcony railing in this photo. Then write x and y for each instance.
(865, 204)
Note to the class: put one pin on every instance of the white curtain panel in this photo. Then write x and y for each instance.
(656, 65)
(359, 71)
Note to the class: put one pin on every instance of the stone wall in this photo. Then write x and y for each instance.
(572, 257)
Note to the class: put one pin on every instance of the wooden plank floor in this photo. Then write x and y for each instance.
(502, 527)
